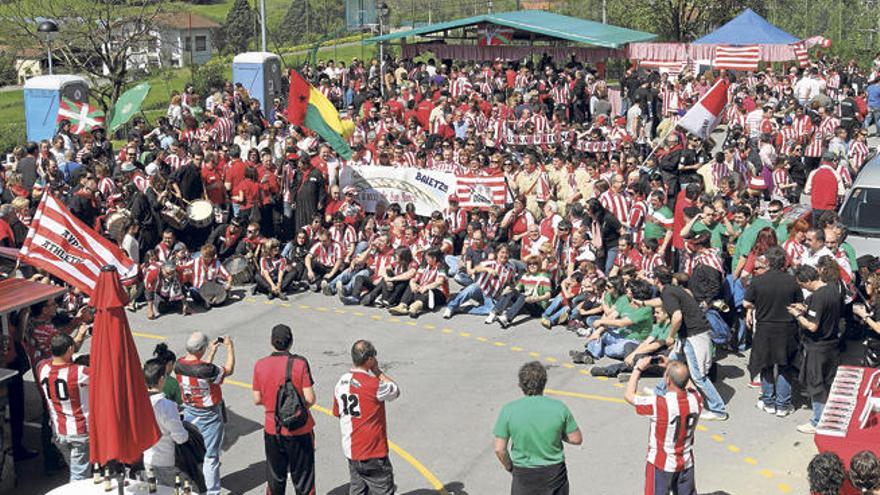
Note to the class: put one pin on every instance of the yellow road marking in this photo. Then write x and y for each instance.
(482, 339)
(267, 302)
(148, 335)
(286, 305)
(394, 320)
(766, 473)
(304, 306)
(428, 326)
(499, 344)
(602, 398)
(601, 378)
(552, 360)
(412, 461)
(358, 313)
(717, 438)
(321, 308)
(251, 299)
(516, 349)
(447, 330)
(584, 372)
(534, 354)
(784, 488)
(568, 366)
(376, 317)
(339, 311)
(618, 385)
(463, 334)
(750, 460)
(702, 428)
(733, 448)
(410, 323)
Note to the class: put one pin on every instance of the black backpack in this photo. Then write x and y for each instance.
(291, 411)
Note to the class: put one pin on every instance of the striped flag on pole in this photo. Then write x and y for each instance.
(65, 247)
(737, 57)
(481, 192)
(702, 118)
(801, 53)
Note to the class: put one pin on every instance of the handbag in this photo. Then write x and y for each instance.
(872, 353)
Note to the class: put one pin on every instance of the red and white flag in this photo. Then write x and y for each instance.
(67, 248)
(801, 53)
(737, 57)
(481, 192)
(702, 118)
(82, 116)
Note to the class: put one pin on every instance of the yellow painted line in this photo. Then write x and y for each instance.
(304, 306)
(717, 438)
(619, 385)
(358, 313)
(551, 360)
(702, 428)
(394, 320)
(148, 335)
(286, 305)
(321, 308)
(250, 299)
(499, 344)
(602, 398)
(410, 323)
(516, 349)
(584, 372)
(339, 311)
(750, 460)
(601, 378)
(482, 339)
(267, 302)
(412, 461)
(463, 334)
(447, 330)
(428, 326)
(784, 488)
(376, 317)
(733, 448)
(766, 473)
(568, 366)
(534, 354)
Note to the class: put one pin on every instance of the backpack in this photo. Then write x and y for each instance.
(291, 411)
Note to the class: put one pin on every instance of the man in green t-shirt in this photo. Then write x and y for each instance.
(750, 228)
(658, 222)
(776, 212)
(707, 220)
(613, 336)
(535, 426)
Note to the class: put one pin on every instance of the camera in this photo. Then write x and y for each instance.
(219, 340)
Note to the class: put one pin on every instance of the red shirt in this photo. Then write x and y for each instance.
(251, 192)
(214, 186)
(269, 375)
(65, 388)
(359, 403)
(235, 172)
(6, 233)
(824, 192)
(199, 382)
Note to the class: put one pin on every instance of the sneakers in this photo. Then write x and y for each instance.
(399, 310)
(380, 303)
(579, 357)
(546, 323)
(415, 308)
(283, 296)
(503, 321)
(708, 415)
(584, 332)
(764, 407)
(563, 318)
(447, 314)
(755, 384)
(491, 318)
(785, 411)
(270, 296)
(623, 376)
(325, 288)
(340, 291)
(350, 300)
(807, 428)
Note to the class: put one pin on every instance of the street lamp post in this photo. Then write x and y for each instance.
(48, 30)
(383, 18)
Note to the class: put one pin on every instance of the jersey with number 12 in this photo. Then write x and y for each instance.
(361, 416)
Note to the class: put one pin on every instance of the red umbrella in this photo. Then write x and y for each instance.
(121, 420)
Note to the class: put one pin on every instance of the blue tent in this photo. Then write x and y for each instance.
(748, 28)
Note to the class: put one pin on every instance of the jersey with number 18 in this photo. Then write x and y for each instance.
(359, 403)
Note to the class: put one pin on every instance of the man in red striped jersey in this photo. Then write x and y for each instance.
(674, 416)
(64, 384)
(359, 402)
(199, 380)
(494, 276)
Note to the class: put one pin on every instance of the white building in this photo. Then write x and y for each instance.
(180, 38)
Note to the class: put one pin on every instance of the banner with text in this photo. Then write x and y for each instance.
(426, 189)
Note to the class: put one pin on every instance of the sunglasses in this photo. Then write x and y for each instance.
(251, 231)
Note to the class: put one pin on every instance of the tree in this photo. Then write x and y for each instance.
(678, 20)
(292, 29)
(94, 38)
(241, 24)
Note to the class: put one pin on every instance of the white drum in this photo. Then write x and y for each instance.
(200, 213)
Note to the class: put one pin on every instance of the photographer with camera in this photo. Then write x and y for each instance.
(674, 415)
(200, 381)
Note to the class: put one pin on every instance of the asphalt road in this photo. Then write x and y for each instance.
(455, 375)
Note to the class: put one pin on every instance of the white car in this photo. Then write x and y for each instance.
(860, 211)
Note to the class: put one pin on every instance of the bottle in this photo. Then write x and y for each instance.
(96, 473)
(177, 485)
(151, 481)
(186, 488)
(107, 486)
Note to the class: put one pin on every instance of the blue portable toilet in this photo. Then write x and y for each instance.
(260, 74)
(42, 96)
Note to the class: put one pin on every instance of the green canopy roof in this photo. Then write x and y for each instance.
(539, 22)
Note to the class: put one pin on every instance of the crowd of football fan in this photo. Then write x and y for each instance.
(589, 239)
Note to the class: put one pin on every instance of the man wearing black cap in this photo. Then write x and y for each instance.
(287, 451)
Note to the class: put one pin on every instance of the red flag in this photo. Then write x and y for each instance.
(122, 424)
(67, 248)
(702, 118)
(801, 53)
(481, 192)
(737, 57)
(297, 99)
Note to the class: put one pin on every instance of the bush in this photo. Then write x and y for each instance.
(8, 74)
(208, 77)
(11, 135)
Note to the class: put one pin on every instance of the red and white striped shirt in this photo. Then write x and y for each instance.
(202, 273)
(345, 236)
(326, 255)
(709, 257)
(492, 285)
(674, 419)
(428, 275)
(273, 266)
(65, 388)
(199, 382)
(617, 203)
(359, 402)
(650, 263)
(858, 151)
(794, 251)
(780, 178)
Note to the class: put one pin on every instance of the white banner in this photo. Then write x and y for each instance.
(426, 189)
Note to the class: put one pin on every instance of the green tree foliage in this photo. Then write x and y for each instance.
(241, 25)
(292, 29)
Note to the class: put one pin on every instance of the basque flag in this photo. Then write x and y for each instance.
(703, 117)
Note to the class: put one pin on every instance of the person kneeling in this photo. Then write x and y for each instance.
(427, 290)
(531, 295)
(274, 279)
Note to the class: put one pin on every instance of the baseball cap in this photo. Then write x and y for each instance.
(282, 337)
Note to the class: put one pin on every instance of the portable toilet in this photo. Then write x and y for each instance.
(42, 97)
(260, 74)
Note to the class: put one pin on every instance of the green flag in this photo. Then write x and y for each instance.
(128, 104)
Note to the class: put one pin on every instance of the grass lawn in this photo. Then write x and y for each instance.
(217, 10)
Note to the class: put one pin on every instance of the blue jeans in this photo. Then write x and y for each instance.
(75, 449)
(611, 344)
(472, 292)
(817, 412)
(555, 310)
(610, 256)
(347, 278)
(209, 422)
(714, 402)
(776, 390)
(873, 116)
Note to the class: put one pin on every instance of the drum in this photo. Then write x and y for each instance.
(174, 216)
(213, 293)
(117, 223)
(200, 213)
(238, 269)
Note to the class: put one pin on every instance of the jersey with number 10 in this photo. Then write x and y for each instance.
(361, 416)
(65, 387)
(673, 422)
